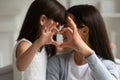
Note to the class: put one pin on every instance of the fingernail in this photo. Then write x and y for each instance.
(68, 17)
(57, 23)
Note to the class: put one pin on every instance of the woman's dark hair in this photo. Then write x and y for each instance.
(98, 38)
(31, 28)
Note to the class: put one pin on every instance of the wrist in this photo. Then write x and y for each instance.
(39, 42)
(89, 53)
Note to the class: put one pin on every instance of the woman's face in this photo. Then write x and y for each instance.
(83, 32)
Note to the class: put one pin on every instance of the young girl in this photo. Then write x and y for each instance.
(36, 40)
(90, 57)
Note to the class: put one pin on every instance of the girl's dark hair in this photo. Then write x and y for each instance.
(31, 28)
(98, 38)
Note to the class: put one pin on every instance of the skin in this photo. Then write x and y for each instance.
(76, 39)
(25, 51)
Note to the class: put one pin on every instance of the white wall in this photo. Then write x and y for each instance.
(12, 14)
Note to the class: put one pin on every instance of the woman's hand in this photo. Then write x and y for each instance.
(72, 39)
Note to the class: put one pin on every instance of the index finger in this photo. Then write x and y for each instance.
(72, 23)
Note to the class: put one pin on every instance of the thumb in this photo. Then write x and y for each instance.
(55, 43)
(65, 45)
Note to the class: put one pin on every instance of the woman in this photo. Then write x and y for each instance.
(36, 39)
(90, 57)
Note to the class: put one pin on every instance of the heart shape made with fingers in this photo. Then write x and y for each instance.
(60, 40)
(64, 36)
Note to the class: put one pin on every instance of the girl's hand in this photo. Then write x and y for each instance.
(48, 30)
(73, 40)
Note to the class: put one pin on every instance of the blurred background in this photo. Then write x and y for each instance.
(12, 13)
